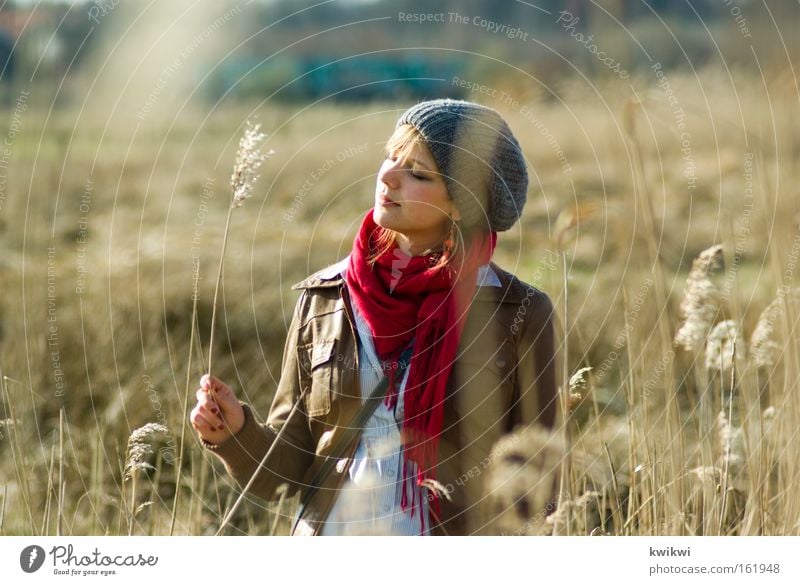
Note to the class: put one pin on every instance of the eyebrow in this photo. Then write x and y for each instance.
(416, 161)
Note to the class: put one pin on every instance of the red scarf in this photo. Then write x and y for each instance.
(404, 298)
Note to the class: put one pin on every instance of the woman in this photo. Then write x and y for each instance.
(454, 351)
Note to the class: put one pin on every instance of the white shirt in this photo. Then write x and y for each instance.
(369, 502)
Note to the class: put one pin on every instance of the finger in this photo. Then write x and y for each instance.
(224, 396)
(211, 383)
(212, 415)
(217, 404)
(206, 399)
(200, 422)
(206, 424)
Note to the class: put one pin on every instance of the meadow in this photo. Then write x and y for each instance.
(686, 423)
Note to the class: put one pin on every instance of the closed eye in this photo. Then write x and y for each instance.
(409, 166)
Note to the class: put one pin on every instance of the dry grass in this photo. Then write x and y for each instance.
(661, 444)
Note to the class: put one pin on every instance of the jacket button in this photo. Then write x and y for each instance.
(500, 362)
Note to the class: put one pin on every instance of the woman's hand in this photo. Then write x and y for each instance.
(218, 415)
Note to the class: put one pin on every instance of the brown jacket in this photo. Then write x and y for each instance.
(504, 376)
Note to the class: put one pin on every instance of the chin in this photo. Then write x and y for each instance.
(381, 217)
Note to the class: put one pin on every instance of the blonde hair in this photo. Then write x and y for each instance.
(401, 144)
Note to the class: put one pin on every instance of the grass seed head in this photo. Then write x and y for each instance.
(522, 477)
(702, 300)
(732, 448)
(140, 447)
(765, 344)
(579, 385)
(725, 344)
(249, 158)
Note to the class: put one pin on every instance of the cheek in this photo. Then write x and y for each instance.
(430, 211)
(437, 204)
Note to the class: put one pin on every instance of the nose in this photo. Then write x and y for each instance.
(388, 174)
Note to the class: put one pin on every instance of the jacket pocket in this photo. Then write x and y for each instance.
(317, 375)
(485, 382)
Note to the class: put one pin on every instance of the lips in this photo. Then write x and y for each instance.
(387, 201)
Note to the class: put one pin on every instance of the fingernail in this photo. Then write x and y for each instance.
(221, 428)
(214, 411)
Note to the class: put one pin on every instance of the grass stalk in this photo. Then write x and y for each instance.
(564, 492)
(60, 520)
(278, 438)
(216, 288)
(132, 503)
(185, 408)
(18, 455)
(3, 510)
(49, 498)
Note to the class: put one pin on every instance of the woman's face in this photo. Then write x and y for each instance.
(411, 199)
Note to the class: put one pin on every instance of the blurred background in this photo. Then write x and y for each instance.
(653, 130)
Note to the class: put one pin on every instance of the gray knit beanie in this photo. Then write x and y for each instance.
(478, 156)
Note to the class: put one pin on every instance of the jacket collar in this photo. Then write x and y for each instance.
(326, 278)
(507, 289)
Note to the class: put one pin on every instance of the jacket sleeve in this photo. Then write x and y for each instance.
(536, 363)
(294, 452)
